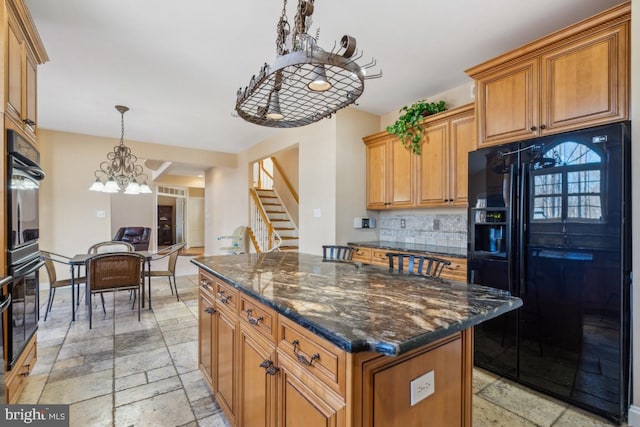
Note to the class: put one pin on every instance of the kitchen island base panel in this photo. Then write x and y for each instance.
(384, 392)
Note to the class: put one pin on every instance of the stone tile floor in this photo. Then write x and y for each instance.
(129, 373)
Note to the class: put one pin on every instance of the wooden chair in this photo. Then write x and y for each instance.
(422, 265)
(50, 259)
(112, 272)
(110, 246)
(172, 253)
(337, 253)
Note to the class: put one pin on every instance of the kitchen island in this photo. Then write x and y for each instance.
(285, 339)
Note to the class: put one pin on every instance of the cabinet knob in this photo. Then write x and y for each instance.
(29, 122)
(210, 310)
(301, 357)
(268, 367)
(533, 128)
(543, 127)
(253, 320)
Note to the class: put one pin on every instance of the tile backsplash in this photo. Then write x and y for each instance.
(441, 229)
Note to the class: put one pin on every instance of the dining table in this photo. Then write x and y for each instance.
(79, 260)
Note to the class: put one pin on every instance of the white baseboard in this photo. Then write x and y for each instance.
(634, 416)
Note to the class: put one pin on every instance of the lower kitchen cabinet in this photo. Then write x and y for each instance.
(226, 363)
(311, 405)
(256, 379)
(16, 378)
(206, 327)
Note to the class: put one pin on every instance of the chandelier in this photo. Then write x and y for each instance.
(305, 83)
(121, 171)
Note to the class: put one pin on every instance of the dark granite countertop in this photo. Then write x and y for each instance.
(359, 307)
(414, 247)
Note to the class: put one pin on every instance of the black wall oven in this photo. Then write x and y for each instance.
(5, 301)
(23, 257)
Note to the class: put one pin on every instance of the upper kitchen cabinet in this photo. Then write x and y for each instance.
(399, 179)
(23, 53)
(390, 172)
(442, 166)
(574, 78)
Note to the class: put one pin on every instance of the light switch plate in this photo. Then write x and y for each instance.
(101, 214)
(422, 387)
(317, 212)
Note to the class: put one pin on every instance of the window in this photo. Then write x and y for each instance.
(570, 189)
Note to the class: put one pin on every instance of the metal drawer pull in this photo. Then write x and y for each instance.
(268, 367)
(204, 283)
(224, 299)
(301, 358)
(210, 310)
(253, 320)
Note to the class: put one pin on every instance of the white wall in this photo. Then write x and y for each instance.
(226, 205)
(351, 175)
(128, 210)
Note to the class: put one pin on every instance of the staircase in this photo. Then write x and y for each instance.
(279, 218)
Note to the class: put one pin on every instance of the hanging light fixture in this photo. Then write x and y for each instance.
(305, 83)
(121, 171)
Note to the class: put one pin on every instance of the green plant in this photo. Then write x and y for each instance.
(409, 128)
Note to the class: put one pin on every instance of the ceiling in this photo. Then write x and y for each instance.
(178, 65)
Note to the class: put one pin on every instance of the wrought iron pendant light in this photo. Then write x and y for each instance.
(121, 171)
(305, 83)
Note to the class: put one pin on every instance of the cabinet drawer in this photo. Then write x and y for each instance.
(207, 282)
(312, 354)
(379, 257)
(226, 297)
(362, 255)
(258, 316)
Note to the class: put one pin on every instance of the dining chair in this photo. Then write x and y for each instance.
(50, 259)
(170, 252)
(107, 247)
(112, 272)
(110, 246)
(337, 253)
(422, 265)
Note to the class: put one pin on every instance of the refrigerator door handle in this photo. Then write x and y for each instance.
(522, 227)
(511, 238)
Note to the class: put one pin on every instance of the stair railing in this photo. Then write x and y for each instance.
(265, 179)
(265, 238)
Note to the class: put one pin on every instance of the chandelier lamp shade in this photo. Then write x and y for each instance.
(305, 83)
(121, 171)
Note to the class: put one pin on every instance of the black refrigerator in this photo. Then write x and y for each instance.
(549, 221)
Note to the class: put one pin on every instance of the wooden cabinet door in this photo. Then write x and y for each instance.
(300, 405)
(206, 341)
(15, 47)
(376, 175)
(30, 117)
(462, 139)
(226, 367)
(585, 83)
(257, 384)
(400, 175)
(433, 173)
(507, 102)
